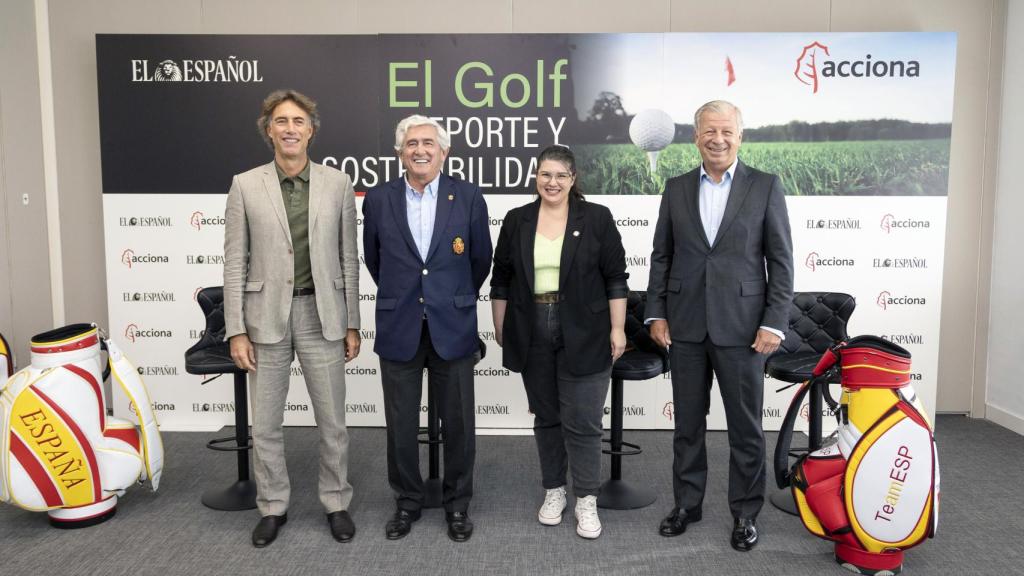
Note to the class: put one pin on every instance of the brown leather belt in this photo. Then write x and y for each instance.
(303, 292)
(547, 298)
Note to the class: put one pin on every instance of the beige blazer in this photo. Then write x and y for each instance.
(258, 265)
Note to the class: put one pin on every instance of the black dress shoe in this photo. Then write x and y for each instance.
(342, 527)
(744, 535)
(675, 523)
(460, 528)
(265, 531)
(401, 523)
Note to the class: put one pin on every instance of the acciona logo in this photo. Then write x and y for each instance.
(815, 261)
(129, 258)
(157, 407)
(669, 411)
(231, 69)
(133, 333)
(632, 223)
(816, 62)
(887, 300)
(198, 220)
(890, 223)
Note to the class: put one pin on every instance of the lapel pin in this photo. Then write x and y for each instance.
(451, 196)
(576, 233)
(458, 246)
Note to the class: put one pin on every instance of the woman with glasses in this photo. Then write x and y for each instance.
(558, 296)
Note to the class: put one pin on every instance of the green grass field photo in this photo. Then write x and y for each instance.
(847, 168)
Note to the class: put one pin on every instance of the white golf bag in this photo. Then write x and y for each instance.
(59, 451)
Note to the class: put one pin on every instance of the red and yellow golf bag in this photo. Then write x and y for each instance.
(873, 488)
(59, 451)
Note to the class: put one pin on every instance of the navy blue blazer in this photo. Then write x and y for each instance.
(445, 287)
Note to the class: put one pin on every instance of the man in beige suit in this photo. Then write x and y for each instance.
(291, 286)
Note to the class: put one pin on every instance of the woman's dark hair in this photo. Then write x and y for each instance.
(563, 154)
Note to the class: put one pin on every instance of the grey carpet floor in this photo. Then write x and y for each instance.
(171, 532)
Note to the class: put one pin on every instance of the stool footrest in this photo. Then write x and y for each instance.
(215, 444)
(628, 449)
(424, 438)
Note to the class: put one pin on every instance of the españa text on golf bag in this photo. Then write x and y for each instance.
(59, 451)
(874, 491)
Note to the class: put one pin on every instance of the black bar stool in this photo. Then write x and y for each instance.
(817, 321)
(211, 355)
(431, 436)
(635, 364)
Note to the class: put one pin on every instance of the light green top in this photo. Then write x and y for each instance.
(547, 256)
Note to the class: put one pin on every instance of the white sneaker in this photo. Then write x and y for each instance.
(554, 504)
(588, 525)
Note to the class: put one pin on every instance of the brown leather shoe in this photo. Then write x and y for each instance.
(342, 527)
(265, 531)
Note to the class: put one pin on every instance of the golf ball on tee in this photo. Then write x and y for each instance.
(652, 130)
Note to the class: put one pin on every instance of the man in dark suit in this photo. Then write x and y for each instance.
(719, 294)
(428, 248)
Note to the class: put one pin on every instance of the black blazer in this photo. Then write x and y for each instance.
(592, 271)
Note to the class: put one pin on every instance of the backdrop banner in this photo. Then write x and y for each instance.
(857, 125)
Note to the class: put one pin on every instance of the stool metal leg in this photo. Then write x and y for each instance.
(616, 493)
(432, 485)
(242, 494)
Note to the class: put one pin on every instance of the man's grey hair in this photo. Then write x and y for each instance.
(718, 107)
(415, 120)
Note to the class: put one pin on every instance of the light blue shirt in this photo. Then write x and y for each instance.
(421, 209)
(713, 198)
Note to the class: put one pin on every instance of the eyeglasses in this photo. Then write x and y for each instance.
(561, 177)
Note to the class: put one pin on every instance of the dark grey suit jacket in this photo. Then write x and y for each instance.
(728, 289)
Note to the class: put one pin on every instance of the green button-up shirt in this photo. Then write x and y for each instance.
(295, 193)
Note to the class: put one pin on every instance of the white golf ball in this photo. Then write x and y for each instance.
(652, 130)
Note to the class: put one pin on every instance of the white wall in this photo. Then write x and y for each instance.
(25, 302)
(1005, 398)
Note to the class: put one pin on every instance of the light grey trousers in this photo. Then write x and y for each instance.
(323, 365)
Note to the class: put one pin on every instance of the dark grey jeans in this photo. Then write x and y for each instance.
(567, 408)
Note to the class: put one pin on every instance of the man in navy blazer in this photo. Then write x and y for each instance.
(428, 247)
